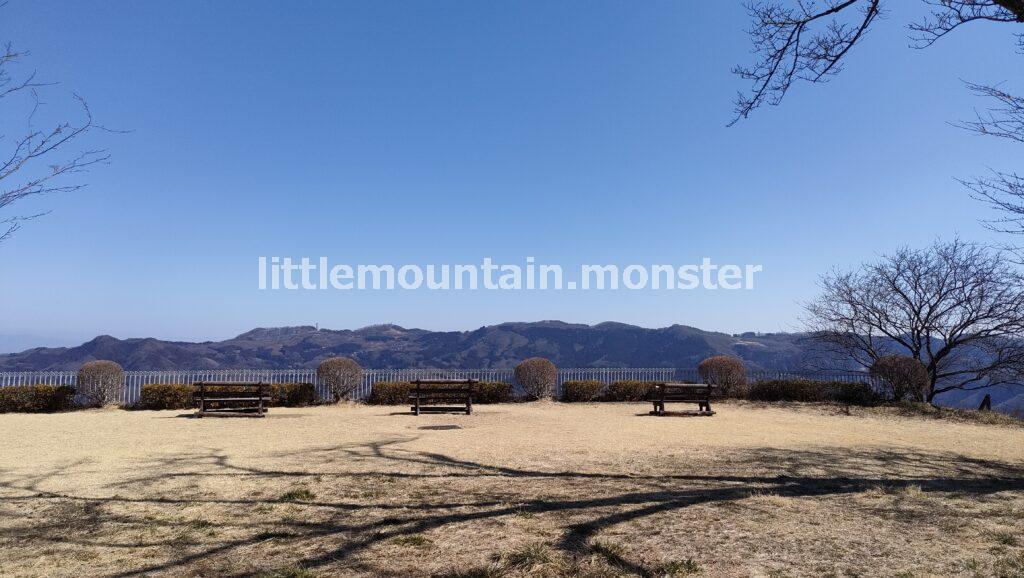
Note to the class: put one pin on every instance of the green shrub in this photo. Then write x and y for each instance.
(493, 392)
(810, 391)
(292, 394)
(165, 396)
(786, 390)
(389, 393)
(858, 393)
(583, 390)
(629, 390)
(36, 398)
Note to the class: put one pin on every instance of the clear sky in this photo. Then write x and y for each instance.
(444, 132)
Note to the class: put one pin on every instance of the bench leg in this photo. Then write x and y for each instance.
(416, 406)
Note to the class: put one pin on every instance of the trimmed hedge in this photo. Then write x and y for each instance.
(493, 392)
(165, 396)
(585, 390)
(813, 391)
(292, 394)
(397, 392)
(179, 395)
(389, 393)
(629, 390)
(36, 398)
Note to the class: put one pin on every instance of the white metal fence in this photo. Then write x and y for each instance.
(134, 380)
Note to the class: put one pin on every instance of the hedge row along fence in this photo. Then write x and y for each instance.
(804, 390)
(179, 395)
(133, 381)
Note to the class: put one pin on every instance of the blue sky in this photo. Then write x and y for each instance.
(445, 132)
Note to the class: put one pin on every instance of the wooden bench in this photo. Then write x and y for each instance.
(442, 395)
(231, 398)
(699, 393)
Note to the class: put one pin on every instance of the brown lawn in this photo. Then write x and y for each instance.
(531, 489)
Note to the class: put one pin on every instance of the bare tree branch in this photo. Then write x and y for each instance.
(1004, 191)
(1005, 118)
(808, 40)
(790, 50)
(948, 15)
(39, 162)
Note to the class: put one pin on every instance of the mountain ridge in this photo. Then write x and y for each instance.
(606, 344)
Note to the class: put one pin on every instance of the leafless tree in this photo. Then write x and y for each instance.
(37, 161)
(958, 308)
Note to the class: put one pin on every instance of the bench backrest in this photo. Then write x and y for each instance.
(444, 387)
(235, 388)
(678, 391)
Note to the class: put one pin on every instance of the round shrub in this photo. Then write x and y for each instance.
(389, 393)
(100, 383)
(537, 377)
(629, 390)
(726, 373)
(586, 390)
(905, 378)
(341, 375)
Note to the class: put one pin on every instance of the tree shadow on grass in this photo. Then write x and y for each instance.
(612, 499)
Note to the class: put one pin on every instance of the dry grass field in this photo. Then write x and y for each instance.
(533, 489)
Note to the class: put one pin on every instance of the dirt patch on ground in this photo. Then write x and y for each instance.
(538, 489)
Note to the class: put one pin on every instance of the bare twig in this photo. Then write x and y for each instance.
(37, 163)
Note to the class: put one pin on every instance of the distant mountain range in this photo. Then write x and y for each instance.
(390, 346)
(496, 346)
